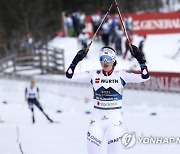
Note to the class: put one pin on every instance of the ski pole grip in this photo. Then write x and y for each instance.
(87, 48)
(131, 49)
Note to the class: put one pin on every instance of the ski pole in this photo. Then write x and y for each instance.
(123, 27)
(99, 27)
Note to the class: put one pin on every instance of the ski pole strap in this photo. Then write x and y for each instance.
(87, 49)
(70, 70)
(144, 71)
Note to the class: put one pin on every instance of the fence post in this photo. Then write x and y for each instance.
(63, 61)
(14, 62)
(41, 62)
(55, 60)
(47, 58)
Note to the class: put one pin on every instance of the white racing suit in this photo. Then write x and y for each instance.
(106, 115)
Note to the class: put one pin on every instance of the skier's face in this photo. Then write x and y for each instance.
(32, 83)
(107, 66)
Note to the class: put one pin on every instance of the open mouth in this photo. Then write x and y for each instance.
(105, 65)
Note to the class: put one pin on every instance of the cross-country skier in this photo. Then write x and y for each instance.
(108, 86)
(32, 97)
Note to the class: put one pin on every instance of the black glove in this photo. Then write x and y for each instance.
(137, 54)
(81, 54)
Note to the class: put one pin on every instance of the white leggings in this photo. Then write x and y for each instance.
(111, 125)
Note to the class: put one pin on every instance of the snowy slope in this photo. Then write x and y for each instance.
(159, 50)
(70, 135)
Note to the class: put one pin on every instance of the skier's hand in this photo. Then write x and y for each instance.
(137, 54)
(81, 54)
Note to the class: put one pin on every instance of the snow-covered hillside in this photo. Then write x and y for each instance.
(159, 50)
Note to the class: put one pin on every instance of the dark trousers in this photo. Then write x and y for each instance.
(32, 102)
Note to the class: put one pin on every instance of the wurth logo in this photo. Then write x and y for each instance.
(109, 81)
(97, 80)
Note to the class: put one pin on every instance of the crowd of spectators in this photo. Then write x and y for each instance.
(110, 33)
(78, 24)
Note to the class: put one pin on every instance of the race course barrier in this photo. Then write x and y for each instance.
(149, 23)
(160, 81)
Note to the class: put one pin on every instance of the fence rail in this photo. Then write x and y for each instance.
(7, 62)
(45, 59)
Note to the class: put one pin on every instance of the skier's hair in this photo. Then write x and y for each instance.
(114, 64)
(108, 48)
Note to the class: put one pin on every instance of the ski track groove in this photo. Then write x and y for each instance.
(18, 141)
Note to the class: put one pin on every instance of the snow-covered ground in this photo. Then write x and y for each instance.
(161, 53)
(74, 101)
(159, 50)
(69, 136)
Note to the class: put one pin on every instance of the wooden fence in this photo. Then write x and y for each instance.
(7, 62)
(48, 60)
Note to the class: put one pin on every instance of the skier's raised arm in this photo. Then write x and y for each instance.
(79, 56)
(79, 77)
(135, 78)
(141, 61)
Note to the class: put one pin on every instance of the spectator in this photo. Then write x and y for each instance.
(127, 46)
(82, 21)
(114, 24)
(129, 24)
(96, 20)
(69, 25)
(141, 46)
(105, 31)
(83, 39)
(118, 40)
(27, 43)
(75, 18)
